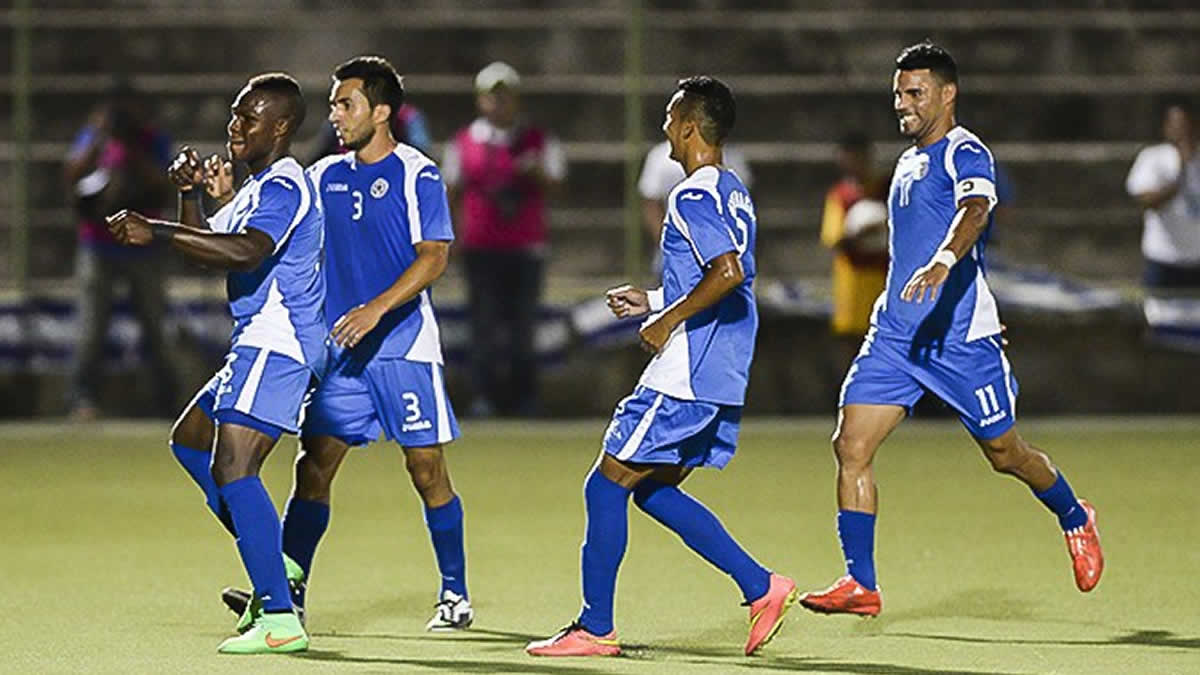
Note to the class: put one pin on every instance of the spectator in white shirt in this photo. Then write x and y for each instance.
(1165, 181)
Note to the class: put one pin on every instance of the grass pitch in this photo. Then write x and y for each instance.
(110, 562)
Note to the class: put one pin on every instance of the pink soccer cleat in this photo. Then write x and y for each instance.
(766, 613)
(1083, 543)
(845, 596)
(574, 640)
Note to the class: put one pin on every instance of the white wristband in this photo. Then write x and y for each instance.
(945, 257)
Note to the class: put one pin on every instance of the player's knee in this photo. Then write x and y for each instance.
(852, 452)
(313, 479)
(1006, 453)
(426, 468)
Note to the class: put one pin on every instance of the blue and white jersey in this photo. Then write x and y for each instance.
(707, 358)
(375, 215)
(277, 307)
(927, 187)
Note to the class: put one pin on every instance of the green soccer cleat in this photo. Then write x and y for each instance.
(248, 606)
(275, 633)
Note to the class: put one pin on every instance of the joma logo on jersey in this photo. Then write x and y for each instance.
(337, 187)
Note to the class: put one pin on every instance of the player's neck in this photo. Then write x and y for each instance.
(380, 147)
(937, 133)
(271, 157)
(701, 157)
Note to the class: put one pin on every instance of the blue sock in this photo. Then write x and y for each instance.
(703, 533)
(259, 541)
(1060, 499)
(607, 505)
(304, 523)
(197, 463)
(445, 524)
(856, 529)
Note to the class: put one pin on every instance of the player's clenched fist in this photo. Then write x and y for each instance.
(186, 171)
(130, 228)
(654, 334)
(218, 178)
(626, 301)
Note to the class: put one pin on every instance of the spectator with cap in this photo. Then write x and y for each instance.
(117, 161)
(499, 172)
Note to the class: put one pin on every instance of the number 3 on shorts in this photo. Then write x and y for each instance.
(413, 406)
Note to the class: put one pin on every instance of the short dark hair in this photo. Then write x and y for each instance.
(382, 85)
(710, 102)
(925, 54)
(285, 87)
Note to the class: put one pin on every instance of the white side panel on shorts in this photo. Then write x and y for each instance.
(245, 399)
(639, 432)
(440, 405)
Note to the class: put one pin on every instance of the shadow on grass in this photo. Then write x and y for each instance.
(1137, 638)
(449, 665)
(994, 604)
(813, 664)
(478, 635)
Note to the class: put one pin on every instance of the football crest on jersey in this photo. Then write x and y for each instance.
(379, 188)
(910, 169)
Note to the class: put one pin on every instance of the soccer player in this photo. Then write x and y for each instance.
(268, 237)
(387, 239)
(935, 328)
(687, 407)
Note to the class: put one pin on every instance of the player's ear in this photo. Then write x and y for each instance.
(949, 93)
(381, 113)
(283, 127)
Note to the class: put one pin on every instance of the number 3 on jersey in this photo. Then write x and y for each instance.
(358, 205)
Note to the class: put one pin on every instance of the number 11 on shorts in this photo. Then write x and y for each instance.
(987, 400)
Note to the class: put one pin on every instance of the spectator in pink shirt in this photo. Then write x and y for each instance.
(499, 171)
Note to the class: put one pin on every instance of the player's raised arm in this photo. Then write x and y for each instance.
(186, 174)
(241, 251)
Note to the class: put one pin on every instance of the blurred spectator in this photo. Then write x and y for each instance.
(408, 127)
(1165, 181)
(118, 160)
(854, 226)
(660, 174)
(499, 170)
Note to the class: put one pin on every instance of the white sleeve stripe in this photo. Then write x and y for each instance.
(301, 211)
(411, 171)
(675, 219)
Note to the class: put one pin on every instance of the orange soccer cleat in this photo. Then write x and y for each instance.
(845, 596)
(766, 613)
(1083, 543)
(575, 640)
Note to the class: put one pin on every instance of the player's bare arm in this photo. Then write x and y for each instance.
(432, 257)
(723, 275)
(627, 301)
(969, 224)
(242, 251)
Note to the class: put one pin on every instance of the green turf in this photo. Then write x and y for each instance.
(111, 564)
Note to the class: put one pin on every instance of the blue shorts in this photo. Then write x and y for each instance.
(258, 388)
(974, 378)
(405, 400)
(649, 427)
